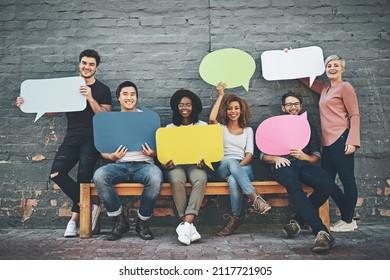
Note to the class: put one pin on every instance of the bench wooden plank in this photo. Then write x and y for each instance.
(87, 190)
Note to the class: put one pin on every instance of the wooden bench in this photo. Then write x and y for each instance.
(87, 190)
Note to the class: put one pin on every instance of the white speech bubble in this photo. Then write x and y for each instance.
(52, 95)
(294, 64)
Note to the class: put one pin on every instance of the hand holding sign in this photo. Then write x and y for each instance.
(131, 130)
(294, 64)
(278, 135)
(233, 66)
(52, 95)
(190, 144)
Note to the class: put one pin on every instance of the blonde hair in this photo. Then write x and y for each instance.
(335, 57)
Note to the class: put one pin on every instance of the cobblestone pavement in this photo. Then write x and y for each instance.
(266, 242)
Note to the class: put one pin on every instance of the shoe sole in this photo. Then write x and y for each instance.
(323, 249)
(320, 250)
(70, 235)
(195, 239)
(332, 229)
(142, 237)
(145, 238)
(266, 210)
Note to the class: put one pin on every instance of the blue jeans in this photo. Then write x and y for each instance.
(72, 150)
(139, 172)
(239, 179)
(334, 161)
(315, 177)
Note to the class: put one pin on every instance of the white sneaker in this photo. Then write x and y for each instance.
(342, 226)
(195, 236)
(71, 229)
(184, 233)
(95, 215)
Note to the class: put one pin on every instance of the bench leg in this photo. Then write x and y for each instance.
(85, 211)
(324, 214)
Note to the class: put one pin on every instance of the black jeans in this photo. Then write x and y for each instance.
(74, 149)
(334, 161)
(316, 178)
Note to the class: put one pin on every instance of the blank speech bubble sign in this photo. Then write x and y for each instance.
(278, 135)
(131, 130)
(52, 95)
(232, 66)
(294, 64)
(190, 144)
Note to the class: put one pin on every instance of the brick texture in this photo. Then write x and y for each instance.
(159, 46)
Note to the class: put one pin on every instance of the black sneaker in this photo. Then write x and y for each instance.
(323, 243)
(292, 229)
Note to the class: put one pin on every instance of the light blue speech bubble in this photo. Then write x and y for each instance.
(131, 130)
(232, 66)
(52, 95)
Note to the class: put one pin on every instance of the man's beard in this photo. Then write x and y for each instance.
(87, 77)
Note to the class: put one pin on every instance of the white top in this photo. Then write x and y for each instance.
(197, 123)
(135, 156)
(236, 146)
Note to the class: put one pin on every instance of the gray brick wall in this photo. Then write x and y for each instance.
(159, 46)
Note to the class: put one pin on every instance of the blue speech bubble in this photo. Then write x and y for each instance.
(131, 130)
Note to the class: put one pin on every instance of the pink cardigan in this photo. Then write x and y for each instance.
(339, 110)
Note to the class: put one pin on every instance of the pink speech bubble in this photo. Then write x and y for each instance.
(278, 135)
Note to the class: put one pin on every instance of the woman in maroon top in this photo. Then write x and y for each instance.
(340, 125)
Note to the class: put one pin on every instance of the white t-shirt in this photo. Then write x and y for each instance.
(236, 146)
(198, 123)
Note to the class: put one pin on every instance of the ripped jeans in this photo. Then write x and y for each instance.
(74, 149)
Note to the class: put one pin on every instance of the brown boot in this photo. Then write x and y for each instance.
(259, 203)
(121, 226)
(232, 225)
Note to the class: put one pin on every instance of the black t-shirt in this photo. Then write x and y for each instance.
(80, 123)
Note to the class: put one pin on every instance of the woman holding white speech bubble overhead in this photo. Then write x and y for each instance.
(186, 107)
(340, 125)
(234, 115)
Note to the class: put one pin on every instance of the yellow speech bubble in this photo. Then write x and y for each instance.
(190, 144)
(232, 66)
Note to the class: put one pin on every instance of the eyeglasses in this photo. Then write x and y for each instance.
(290, 105)
(187, 105)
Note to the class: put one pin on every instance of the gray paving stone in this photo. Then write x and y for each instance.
(368, 242)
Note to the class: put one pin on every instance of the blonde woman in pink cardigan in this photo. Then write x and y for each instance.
(340, 125)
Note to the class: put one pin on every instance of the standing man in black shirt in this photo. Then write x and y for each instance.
(78, 146)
